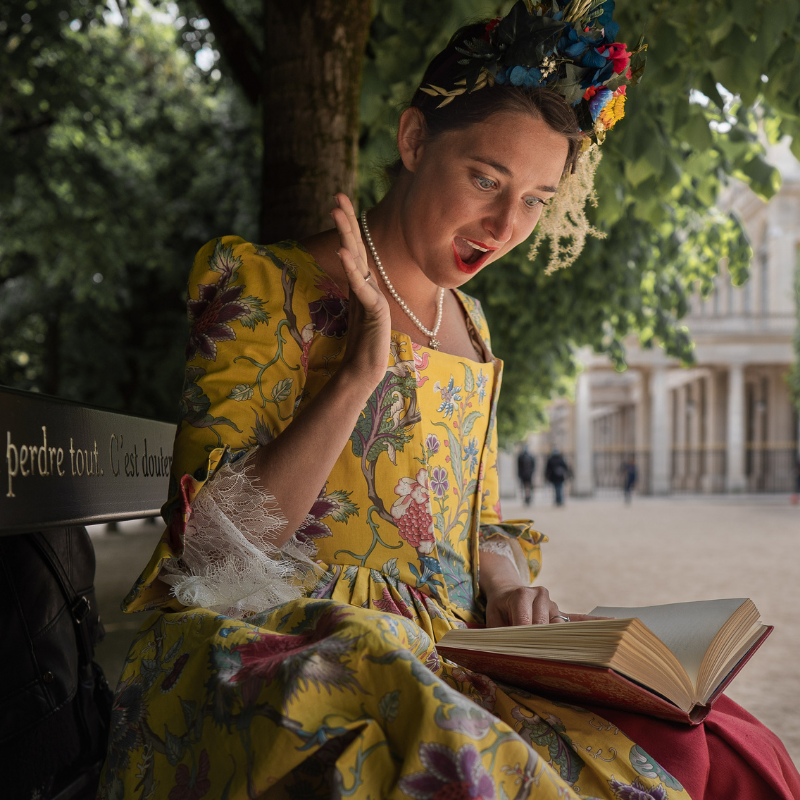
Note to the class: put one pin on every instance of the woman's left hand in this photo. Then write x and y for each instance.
(525, 605)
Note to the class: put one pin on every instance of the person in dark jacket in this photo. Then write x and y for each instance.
(526, 466)
(628, 470)
(556, 472)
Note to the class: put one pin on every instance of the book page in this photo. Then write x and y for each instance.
(687, 629)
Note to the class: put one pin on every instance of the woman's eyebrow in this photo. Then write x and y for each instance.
(503, 170)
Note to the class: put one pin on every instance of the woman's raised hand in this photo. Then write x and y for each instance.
(369, 324)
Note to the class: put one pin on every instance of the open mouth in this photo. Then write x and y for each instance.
(470, 256)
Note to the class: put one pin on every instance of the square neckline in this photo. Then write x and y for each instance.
(490, 359)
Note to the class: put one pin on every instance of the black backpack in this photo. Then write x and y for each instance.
(55, 703)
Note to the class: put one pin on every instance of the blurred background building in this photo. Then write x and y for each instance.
(725, 425)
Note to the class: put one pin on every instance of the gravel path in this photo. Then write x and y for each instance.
(602, 552)
(653, 551)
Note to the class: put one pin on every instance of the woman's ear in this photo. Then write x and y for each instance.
(411, 138)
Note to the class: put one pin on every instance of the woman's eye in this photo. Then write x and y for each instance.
(533, 202)
(485, 183)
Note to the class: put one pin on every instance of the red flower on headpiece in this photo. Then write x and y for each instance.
(590, 93)
(619, 55)
(492, 24)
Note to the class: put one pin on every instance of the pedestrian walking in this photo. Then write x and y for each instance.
(556, 472)
(628, 471)
(526, 467)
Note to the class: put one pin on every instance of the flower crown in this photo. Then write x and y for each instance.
(564, 45)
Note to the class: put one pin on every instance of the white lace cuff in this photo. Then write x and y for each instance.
(230, 563)
(512, 551)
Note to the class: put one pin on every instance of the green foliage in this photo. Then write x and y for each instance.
(119, 157)
(691, 126)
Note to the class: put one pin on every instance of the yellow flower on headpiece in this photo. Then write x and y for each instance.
(614, 110)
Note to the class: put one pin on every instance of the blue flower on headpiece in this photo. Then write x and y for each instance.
(601, 75)
(583, 48)
(605, 21)
(517, 76)
(533, 77)
(529, 77)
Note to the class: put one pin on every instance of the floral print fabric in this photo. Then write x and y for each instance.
(341, 692)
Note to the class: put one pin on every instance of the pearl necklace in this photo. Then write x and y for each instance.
(431, 334)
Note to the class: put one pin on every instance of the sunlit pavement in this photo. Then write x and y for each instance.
(120, 558)
(602, 552)
(664, 550)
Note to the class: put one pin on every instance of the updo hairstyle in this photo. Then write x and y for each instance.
(474, 107)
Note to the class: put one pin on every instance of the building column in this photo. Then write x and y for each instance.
(734, 467)
(584, 455)
(641, 434)
(659, 432)
(679, 438)
(709, 479)
(695, 441)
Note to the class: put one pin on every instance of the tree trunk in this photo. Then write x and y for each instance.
(310, 97)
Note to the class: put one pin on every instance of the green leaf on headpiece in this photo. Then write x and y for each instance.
(473, 73)
(616, 80)
(637, 69)
(530, 49)
(570, 86)
(514, 25)
(476, 48)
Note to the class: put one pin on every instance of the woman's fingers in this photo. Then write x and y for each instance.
(543, 609)
(528, 605)
(348, 240)
(363, 286)
(349, 232)
(344, 202)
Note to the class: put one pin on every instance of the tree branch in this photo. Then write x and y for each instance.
(237, 47)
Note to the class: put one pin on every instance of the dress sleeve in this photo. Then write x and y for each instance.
(245, 379)
(230, 563)
(520, 534)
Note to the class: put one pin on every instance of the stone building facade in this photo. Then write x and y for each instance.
(724, 425)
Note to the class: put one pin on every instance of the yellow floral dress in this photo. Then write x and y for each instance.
(341, 691)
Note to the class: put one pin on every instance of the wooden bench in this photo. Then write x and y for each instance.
(70, 464)
(64, 465)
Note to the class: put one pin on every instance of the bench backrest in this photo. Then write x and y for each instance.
(68, 464)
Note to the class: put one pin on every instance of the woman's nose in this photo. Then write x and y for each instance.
(500, 223)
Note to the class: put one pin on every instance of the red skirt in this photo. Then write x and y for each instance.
(730, 756)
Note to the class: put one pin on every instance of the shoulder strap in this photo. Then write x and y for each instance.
(79, 605)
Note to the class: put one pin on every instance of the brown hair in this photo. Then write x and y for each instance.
(473, 107)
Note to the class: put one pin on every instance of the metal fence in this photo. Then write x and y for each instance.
(610, 470)
(773, 469)
(694, 471)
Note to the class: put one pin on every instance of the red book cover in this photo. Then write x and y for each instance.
(600, 686)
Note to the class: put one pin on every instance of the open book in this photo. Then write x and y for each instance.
(669, 661)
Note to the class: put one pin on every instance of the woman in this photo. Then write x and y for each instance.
(349, 512)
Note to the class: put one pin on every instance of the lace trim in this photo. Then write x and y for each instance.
(230, 563)
(510, 549)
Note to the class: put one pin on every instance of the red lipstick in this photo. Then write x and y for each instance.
(471, 269)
